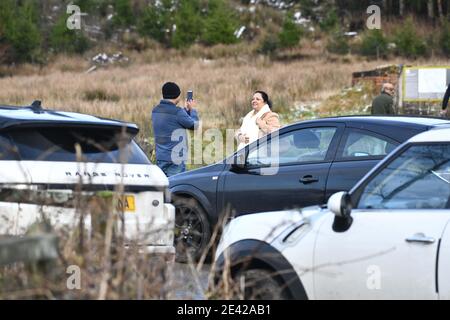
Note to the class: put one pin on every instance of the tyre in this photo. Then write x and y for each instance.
(192, 230)
(260, 284)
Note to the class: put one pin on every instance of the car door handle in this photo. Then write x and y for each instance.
(420, 238)
(308, 179)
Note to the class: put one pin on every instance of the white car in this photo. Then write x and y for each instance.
(51, 160)
(393, 244)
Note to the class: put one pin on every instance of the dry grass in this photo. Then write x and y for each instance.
(222, 86)
(106, 269)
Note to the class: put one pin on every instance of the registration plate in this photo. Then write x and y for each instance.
(127, 204)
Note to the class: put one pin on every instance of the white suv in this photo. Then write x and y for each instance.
(388, 238)
(52, 162)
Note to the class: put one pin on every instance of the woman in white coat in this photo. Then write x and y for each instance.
(258, 122)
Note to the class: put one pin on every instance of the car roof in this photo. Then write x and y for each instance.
(435, 135)
(35, 115)
(410, 121)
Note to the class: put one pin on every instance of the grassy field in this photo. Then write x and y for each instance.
(223, 85)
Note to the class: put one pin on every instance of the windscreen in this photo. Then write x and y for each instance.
(419, 178)
(72, 144)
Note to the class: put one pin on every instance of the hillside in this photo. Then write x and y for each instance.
(35, 31)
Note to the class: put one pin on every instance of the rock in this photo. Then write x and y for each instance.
(103, 60)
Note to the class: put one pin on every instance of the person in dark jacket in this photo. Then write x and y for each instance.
(169, 127)
(384, 103)
(444, 111)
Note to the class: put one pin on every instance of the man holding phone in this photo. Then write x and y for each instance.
(169, 127)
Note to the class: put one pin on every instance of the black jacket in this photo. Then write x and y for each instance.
(446, 97)
(383, 104)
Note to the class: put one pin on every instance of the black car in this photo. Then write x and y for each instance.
(314, 160)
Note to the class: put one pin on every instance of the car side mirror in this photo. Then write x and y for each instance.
(341, 205)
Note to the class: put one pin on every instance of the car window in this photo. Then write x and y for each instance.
(304, 145)
(360, 144)
(59, 144)
(417, 179)
(7, 150)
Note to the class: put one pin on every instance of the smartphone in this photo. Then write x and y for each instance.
(190, 95)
